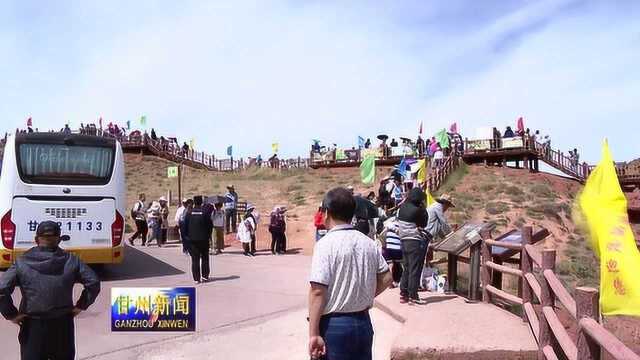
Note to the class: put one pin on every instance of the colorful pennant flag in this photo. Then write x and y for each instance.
(274, 148)
(520, 125)
(443, 138)
(429, 199)
(230, 150)
(29, 122)
(422, 171)
(192, 143)
(402, 168)
(360, 142)
(128, 124)
(143, 120)
(368, 169)
(604, 207)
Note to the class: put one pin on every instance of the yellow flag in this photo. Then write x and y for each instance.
(422, 172)
(604, 207)
(274, 147)
(429, 198)
(192, 143)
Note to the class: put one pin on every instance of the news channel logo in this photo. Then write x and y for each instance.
(153, 309)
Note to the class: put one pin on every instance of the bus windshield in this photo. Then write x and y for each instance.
(65, 164)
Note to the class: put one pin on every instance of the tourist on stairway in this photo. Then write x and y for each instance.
(412, 219)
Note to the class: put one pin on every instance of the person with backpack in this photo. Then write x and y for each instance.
(138, 214)
(277, 228)
(247, 231)
(154, 221)
(217, 218)
(412, 220)
(384, 196)
(199, 226)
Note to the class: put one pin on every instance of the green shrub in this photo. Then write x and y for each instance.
(543, 191)
(532, 213)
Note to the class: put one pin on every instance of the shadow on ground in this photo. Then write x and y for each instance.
(136, 265)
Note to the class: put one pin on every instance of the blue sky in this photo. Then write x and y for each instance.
(250, 73)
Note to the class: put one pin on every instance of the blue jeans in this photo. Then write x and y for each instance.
(347, 336)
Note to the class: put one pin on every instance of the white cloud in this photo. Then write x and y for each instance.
(250, 73)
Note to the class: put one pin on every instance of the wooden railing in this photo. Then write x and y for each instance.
(438, 175)
(562, 162)
(541, 291)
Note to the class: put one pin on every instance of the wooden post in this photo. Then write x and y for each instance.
(452, 273)
(587, 307)
(474, 264)
(496, 276)
(525, 267)
(485, 274)
(548, 299)
(180, 182)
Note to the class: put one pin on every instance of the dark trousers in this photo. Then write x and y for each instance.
(396, 271)
(47, 339)
(141, 230)
(183, 238)
(414, 252)
(164, 233)
(218, 235)
(199, 251)
(347, 336)
(230, 219)
(278, 242)
(250, 248)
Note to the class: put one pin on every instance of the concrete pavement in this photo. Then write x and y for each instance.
(450, 328)
(274, 337)
(243, 288)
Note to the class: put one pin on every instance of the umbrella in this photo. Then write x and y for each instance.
(215, 199)
(383, 137)
(365, 209)
(406, 140)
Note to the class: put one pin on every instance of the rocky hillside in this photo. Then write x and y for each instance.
(300, 190)
(507, 197)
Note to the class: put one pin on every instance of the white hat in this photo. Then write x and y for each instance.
(250, 207)
(162, 198)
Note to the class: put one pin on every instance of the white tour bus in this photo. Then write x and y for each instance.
(75, 180)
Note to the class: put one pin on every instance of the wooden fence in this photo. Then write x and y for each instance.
(199, 159)
(438, 175)
(541, 291)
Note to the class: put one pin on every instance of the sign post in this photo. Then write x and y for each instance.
(176, 171)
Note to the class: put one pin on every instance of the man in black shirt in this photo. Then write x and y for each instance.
(45, 275)
(412, 219)
(199, 226)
